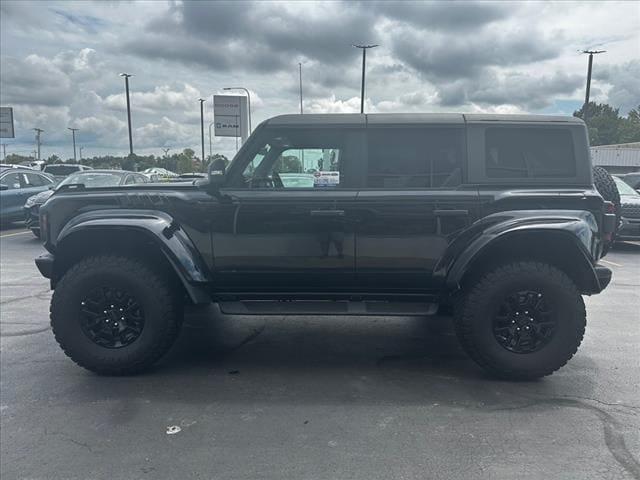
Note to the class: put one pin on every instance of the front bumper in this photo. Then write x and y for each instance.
(604, 276)
(629, 229)
(45, 264)
(32, 217)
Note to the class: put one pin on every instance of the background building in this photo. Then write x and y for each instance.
(621, 158)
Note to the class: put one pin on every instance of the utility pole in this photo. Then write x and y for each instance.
(364, 61)
(126, 85)
(38, 132)
(300, 70)
(73, 133)
(591, 53)
(202, 100)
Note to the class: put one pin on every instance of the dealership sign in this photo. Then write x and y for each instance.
(6, 122)
(231, 116)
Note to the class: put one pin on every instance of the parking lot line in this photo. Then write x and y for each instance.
(611, 263)
(13, 234)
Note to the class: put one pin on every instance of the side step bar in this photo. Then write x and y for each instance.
(327, 307)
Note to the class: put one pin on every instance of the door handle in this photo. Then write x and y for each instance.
(327, 213)
(450, 213)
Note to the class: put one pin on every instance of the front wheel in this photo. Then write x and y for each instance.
(523, 320)
(114, 315)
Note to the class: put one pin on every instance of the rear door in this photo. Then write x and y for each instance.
(414, 204)
(281, 227)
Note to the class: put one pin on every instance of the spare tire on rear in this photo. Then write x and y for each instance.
(606, 186)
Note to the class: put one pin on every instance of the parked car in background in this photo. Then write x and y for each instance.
(632, 179)
(298, 180)
(62, 170)
(629, 211)
(16, 185)
(87, 179)
(158, 174)
(189, 176)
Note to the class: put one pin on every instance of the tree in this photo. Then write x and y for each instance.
(14, 159)
(607, 127)
(288, 164)
(630, 128)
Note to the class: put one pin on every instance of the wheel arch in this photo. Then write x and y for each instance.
(154, 239)
(554, 246)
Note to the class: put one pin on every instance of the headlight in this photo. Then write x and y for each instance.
(31, 201)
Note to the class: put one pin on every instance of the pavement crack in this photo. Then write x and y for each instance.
(69, 439)
(27, 297)
(252, 336)
(24, 332)
(613, 437)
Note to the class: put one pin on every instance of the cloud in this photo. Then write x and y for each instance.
(624, 91)
(60, 62)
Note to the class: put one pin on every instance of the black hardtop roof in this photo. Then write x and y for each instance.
(354, 119)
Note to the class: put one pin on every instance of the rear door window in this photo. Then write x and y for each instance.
(421, 158)
(529, 153)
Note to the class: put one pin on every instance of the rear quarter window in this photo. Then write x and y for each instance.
(529, 153)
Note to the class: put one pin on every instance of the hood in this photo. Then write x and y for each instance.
(38, 198)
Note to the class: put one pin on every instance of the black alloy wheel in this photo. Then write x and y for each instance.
(524, 322)
(111, 318)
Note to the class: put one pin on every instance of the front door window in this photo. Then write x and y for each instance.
(306, 160)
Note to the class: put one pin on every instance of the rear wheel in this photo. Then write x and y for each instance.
(607, 188)
(114, 315)
(523, 320)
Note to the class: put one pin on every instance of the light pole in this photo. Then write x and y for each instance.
(364, 49)
(73, 133)
(81, 154)
(300, 76)
(210, 152)
(126, 86)
(248, 101)
(591, 53)
(38, 132)
(166, 152)
(202, 100)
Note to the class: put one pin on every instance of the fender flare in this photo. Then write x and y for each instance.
(162, 229)
(578, 228)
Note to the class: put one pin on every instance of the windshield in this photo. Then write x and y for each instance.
(93, 179)
(624, 188)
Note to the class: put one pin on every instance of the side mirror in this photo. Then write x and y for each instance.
(4, 187)
(216, 172)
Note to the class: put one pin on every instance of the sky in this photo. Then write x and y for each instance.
(59, 63)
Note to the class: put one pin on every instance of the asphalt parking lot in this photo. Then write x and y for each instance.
(315, 398)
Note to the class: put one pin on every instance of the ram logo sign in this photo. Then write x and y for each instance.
(231, 116)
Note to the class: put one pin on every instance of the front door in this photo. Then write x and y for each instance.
(413, 206)
(287, 222)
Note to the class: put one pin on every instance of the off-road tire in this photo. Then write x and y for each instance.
(607, 188)
(161, 304)
(475, 312)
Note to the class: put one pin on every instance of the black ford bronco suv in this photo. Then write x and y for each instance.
(492, 217)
